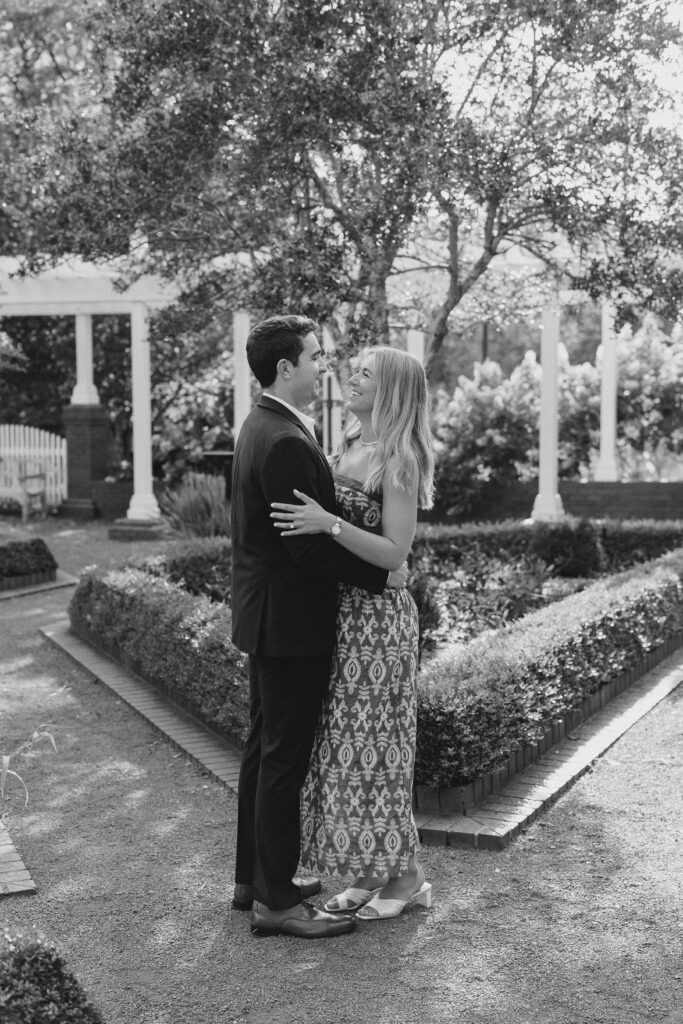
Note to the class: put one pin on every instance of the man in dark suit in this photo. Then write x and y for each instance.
(284, 603)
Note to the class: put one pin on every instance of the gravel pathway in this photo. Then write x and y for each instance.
(578, 922)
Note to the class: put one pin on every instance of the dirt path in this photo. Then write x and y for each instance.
(131, 848)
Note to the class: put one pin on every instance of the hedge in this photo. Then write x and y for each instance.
(629, 541)
(477, 702)
(178, 642)
(200, 566)
(573, 547)
(480, 701)
(25, 558)
(36, 987)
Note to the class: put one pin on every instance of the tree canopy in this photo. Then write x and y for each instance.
(314, 140)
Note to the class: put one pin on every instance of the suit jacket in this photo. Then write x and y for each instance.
(284, 591)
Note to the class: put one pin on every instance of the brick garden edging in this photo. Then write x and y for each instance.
(29, 580)
(461, 799)
(114, 652)
(14, 876)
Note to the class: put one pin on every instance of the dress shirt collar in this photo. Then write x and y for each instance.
(307, 421)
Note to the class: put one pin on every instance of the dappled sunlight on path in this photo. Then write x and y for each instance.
(132, 848)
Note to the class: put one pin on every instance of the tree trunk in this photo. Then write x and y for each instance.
(451, 299)
(457, 288)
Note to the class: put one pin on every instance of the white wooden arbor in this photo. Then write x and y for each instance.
(83, 290)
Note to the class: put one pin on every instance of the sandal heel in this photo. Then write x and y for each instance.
(423, 897)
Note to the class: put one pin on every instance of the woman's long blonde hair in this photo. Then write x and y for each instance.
(400, 419)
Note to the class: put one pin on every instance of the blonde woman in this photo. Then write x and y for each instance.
(357, 800)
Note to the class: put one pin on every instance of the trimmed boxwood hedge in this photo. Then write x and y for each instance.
(178, 642)
(479, 702)
(573, 547)
(36, 987)
(25, 558)
(200, 566)
(629, 541)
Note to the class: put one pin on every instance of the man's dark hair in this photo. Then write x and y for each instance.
(278, 337)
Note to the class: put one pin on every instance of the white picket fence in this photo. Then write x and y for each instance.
(26, 454)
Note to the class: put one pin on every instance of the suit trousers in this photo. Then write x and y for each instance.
(286, 695)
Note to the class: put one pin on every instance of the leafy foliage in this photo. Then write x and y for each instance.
(649, 400)
(197, 506)
(610, 544)
(25, 557)
(480, 695)
(488, 431)
(201, 566)
(6, 772)
(312, 140)
(36, 986)
(178, 642)
(479, 702)
(570, 548)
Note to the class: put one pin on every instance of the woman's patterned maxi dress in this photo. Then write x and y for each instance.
(356, 807)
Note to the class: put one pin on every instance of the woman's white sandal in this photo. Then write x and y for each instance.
(350, 900)
(378, 909)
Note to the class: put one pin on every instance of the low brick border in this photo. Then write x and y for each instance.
(209, 751)
(14, 877)
(28, 580)
(174, 696)
(58, 579)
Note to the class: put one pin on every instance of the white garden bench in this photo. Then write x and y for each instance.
(24, 482)
(33, 468)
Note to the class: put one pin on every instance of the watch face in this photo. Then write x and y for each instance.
(335, 529)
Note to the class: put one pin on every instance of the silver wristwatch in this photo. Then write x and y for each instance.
(335, 529)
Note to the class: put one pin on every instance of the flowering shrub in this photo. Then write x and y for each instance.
(487, 432)
(191, 417)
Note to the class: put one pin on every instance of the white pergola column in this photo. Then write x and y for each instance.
(242, 378)
(85, 392)
(607, 467)
(143, 504)
(548, 504)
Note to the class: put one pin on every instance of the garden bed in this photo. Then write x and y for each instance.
(486, 708)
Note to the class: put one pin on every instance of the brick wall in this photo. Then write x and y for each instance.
(595, 500)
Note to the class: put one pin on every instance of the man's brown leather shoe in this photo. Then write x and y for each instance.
(243, 896)
(302, 920)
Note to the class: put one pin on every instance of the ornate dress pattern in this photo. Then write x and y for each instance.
(356, 803)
